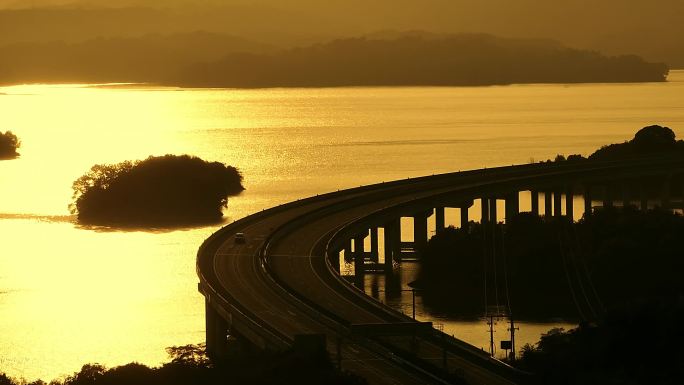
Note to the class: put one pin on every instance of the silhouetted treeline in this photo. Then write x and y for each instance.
(555, 268)
(9, 143)
(649, 141)
(287, 368)
(413, 60)
(211, 60)
(165, 190)
(638, 343)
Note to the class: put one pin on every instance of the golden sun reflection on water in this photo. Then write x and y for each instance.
(111, 297)
(70, 295)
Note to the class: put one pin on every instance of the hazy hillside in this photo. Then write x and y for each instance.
(210, 60)
(151, 58)
(449, 60)
(649, 28)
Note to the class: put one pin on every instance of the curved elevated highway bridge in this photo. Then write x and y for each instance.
(283, 282)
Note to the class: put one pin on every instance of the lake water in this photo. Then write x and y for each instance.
(71, 295)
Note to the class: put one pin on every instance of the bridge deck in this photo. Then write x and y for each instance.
(281, 275)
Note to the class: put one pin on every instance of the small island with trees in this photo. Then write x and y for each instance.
(162, 191)
(9, 144)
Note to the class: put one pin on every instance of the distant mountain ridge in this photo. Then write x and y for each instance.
(651, 29)
(151, 58)
(411, 60)
(202, 59)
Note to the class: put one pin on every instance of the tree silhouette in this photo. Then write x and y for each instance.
(9, 143)
(651, 140)
(165, 190)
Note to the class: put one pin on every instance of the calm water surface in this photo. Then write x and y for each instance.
(71, 295)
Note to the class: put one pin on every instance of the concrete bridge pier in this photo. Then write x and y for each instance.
(463, 208)
(216, 333)
(335, 259)
(485, 213)
(512, 205)
(420, 229)
(359, 254)
(534, 201)
(548, 204)
(557, 202)
(392, 239)
(587, 200)
(439, 220)
(348, 250)
(375, 249)
(489, 210)
(569, 203)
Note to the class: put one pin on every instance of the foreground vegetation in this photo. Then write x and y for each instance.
(555, 268)
(9, 144)
(189, 366)
(165, 190)
(638, 343)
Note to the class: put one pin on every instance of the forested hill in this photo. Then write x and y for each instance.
(417, 60)
(210, 60)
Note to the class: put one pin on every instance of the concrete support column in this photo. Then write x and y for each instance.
(464, 215)
(557, 203)
(216, 333)
(512, 205)
(569, 203)
(587, 201)
(548, 204)
(210, 328)
(485, 210)
(359, 254)
(493, 212)
(439, 220)
(420, 230)
(348, 251)
(375, 249)
(534, 197)
(335, 260)
(392, 239)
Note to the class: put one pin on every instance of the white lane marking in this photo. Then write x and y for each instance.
(293, 256)
(326, 284)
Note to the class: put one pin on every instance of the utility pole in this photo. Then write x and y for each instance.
(491, 334)
(413, 295)
(512, 330)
